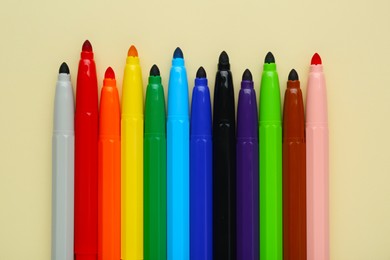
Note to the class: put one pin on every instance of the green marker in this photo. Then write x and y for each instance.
(155, 176)
(270, 138)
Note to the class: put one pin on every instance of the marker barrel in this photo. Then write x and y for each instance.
(270, 137)
(247, 174)
(317, 165)
(132, 132)
(63, 171)
(201, 173)
(86, 159)
(155, 208)
(109, 182)
(224, 168)
(294, 174)
(178, 200)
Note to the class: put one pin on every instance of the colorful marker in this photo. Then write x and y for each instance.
(86, 157)
(155, 153)
(294, 172)
(317, 145)
(247, 172)
(63, 168)
(270, 136)
(178, 169)
(109, 174)
(201, 171)
(224, 163)
(132, 133)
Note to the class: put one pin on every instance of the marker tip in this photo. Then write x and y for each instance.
(178, 53)
(109, 73)
(247, 75)
(87, 46)
(293, 75)
(154, 71)
(201, 73)
(316, 59)
(64, 68)
(132, 51)
(269, 58)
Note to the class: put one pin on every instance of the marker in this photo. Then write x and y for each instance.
(86, 157)
(224, 163)
(201, 171)
(109, 175)
(317, 164)
(155, 151)
(247, 172)
(270, 136)
(294, 172)
(132, 132)
(63, 168)
(178, 169)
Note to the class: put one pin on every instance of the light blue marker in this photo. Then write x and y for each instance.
(63, 168)
(178, 190)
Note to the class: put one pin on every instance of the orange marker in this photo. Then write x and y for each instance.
(109, 178)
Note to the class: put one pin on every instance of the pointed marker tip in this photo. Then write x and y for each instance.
(154, 71)
(269, 58)
(293, 75)
(110, 74)
(87, 46)
(316, 59)
(201, 73)
(178, 54)
(247, 75)
(132, 51)
(64, 68)
(223, 58)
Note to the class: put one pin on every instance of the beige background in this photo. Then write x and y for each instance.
(351, 36)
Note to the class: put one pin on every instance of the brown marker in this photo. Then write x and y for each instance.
(294, 172)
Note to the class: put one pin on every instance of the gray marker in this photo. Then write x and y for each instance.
(63, 168)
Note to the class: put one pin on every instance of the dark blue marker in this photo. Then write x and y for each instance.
(201, 171)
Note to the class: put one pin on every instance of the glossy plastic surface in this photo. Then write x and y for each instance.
(63, 171)
(132, 133)
(155, 175)
(294, 174)
(109, 178)
(247, 174)
(86, 159)
(270, 137)
(317, 165)
(201, 173)
(224, 168)
(178, 169)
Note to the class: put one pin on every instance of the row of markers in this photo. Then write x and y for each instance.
(132, 185)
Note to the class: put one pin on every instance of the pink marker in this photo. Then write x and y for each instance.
(317, 163)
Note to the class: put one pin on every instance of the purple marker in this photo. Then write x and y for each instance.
(247, 172)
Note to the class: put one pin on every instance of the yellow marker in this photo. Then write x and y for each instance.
(132, 130)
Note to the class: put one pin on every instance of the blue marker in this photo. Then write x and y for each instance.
(178, 169)
(201, 171)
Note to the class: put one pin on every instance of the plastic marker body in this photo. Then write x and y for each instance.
(132, 132)
(247, 172)
(63, 169)
(201, 174)
(155, 208)
(178, 200)
(224, 164)
(109, 171)
(86, 158)
(270, 136)
(317, 163)
(294, 172)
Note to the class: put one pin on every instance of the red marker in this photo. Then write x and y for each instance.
(86, 157)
